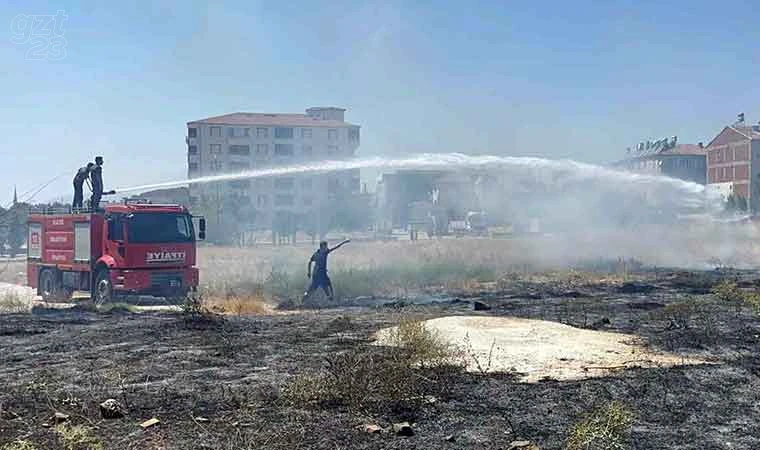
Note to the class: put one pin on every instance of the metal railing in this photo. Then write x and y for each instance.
(50, 210)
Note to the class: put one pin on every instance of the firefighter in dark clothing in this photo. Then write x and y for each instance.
(320, 278)
(82, 175)
(96, 175)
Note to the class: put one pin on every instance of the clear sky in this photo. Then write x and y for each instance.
(560, 79)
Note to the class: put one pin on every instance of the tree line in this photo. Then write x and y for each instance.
(13, 229)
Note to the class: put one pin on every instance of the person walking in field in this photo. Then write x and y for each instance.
(319, 278)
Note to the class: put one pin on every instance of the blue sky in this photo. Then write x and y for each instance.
(579, 80)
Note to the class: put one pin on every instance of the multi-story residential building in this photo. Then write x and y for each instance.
(240, 142)
(733, 163)
(683, 161)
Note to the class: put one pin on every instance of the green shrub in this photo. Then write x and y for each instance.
(422, 345)
(78, 437)
(605, 428)
(18, 445)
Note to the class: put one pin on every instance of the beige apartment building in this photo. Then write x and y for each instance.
(238, 142)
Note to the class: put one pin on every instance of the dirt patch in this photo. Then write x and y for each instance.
(541, 350)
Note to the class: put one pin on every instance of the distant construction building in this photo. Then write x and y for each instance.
(667, 157)
(733, 163)
(240, 141)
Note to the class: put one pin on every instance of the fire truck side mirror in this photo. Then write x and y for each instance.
(202, 228)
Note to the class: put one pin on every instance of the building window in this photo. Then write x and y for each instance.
(192, 132)
(262, 132)
(283, 200)
(262, 149)
(283, 133)
(306, 151)
(306, 183)
(240, 184)
(306, 133)
(261, 200)
(283, 183)
(742, 153)
(216, 165)
(192, 167)
(215, 131)
(332, 150)
(283, 149)
(215, 148)
(237, 132)
(332, 134)
(240, 150)
(333, 185)
(192, 150)
(353, 134)
(238, 166)
(307, 201)
(194, 200)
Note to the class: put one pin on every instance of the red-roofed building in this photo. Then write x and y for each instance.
(241, 141)
(683, 161)
(733, 163)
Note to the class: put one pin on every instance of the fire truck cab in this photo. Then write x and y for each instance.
(125, 249)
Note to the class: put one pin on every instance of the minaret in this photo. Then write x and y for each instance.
(15, 196)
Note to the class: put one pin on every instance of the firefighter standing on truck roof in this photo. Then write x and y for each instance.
(96, 175)
(319, 278)
(82, 175)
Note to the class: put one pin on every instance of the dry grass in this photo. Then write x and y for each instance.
(358, 269)
(208, 304)
(403, 268)
(239, 305)
(12, 301)
(369, 379)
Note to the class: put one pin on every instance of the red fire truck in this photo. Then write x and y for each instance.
(125, 249)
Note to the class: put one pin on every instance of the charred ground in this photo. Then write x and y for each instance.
(223, 383)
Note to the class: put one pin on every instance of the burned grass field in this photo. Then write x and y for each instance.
(314, 378)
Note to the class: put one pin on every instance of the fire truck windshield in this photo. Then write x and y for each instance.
(154, 228)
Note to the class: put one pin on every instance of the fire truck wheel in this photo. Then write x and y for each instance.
(103, 291)
(49, 285)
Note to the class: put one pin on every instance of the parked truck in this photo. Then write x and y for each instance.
(125, 249)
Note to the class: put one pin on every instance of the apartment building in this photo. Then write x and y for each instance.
(684, 161)
(733, 163)
(238, 142)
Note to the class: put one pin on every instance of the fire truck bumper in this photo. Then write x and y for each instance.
(161, 283)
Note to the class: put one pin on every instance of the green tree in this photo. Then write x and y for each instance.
(16, 225)
(238, 216)
(352, 212)
(736, 203)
